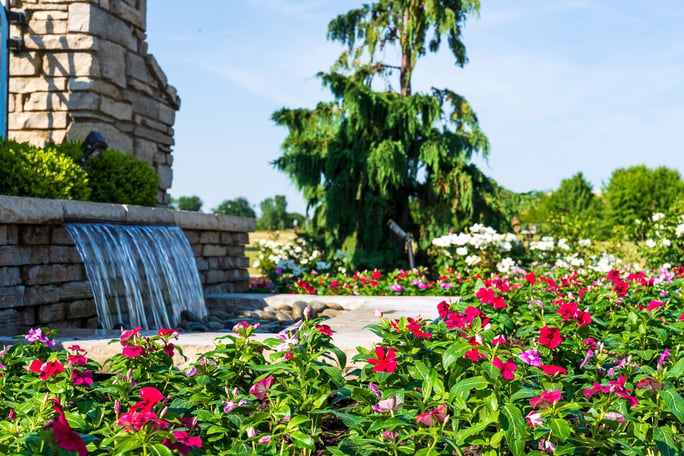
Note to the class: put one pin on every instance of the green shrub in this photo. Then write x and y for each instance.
(119, 178)
(43, 173)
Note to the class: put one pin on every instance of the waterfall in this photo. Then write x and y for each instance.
(140, 275)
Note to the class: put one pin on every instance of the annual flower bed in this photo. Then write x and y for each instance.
(540, 361)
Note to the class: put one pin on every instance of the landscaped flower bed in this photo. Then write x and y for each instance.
(541, 361)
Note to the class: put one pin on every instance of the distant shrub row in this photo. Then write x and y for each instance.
(55, 172)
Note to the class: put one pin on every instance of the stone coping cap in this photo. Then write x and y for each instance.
(24, 210)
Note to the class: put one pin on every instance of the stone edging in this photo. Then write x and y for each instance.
(23, 210)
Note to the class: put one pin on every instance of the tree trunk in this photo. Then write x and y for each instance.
(405, 75)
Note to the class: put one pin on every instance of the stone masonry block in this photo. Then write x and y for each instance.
(46, 101)
(38, 295)
(34, 235)
(75, 291)
(213, 250)
(49, 16)
(63, 254)
(37, 27)
(87, 18)
(60, 236)
(70, 64)
(38, 275)
(9, 318)
(3, 234)
(117, 109)
(165, 176)
(9, 276)
(26, 64)
(38, 120)
(51, 312)
(60, 42)
(209, 237)
(11, 297)
(113, 63)
(13, 256)
(30, 85)
(81, 309)
(145, 150)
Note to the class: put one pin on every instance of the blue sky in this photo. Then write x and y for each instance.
(559, 87)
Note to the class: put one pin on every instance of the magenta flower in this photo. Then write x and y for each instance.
(375, 390)
(663, 358)
(433, 416)
(264, 439)
(500, 339)
(530, 357)
(397, 288)
(545, 399)
(37, 335)
(260, 389)
(82, 377)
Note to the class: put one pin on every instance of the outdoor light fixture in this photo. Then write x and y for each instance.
(93, 146)
(404, 235)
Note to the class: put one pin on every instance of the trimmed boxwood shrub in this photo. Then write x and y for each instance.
(43, 173)
(119, 178)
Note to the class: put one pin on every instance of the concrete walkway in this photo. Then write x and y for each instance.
(349, 326)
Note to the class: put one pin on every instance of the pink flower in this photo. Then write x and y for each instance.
(260, 389)
(506, 368)
(133, 351)
(375, 390)
(550, 369)
(389, 435)
(534, 418)
(654, 305)
(128, 334)
(183, 442)
(596, 388)
(251, 432)
(389, 404)
(167, 333)
(433, 416)
(530, 357)
(474, 355)
(663, 358)
(614, 416)
(545, 399)
(264, 439)
(649, 384)
(397, 288)
(587, 357)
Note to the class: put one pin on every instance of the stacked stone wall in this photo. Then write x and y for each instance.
(84, 66)
(42, 277)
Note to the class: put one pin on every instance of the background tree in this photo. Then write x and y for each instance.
(239, 207)
(638, 191)
(274, 214)
(187, 203)
(370, 156)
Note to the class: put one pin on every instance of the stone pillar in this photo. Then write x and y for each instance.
(85, 67)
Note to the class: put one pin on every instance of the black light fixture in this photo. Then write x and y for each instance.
(404, 235)
(93, 146)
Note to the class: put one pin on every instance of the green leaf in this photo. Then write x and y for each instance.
(454, 353)
(674, 402)
(560, 428)
(302, 440)
(464, 387)
(514, 427)
(159, 449)
(665, 442)
(677, 370)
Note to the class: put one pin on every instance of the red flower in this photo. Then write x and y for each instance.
(545, 399)
(550, 337)
(416, 327)
(443, 308)
(582, 318)
(183, 442)
(168, 349)
(168, 332)
(474, 355)
(46, 369)
(506, 368)
(82, 377)
(621, 287)
(613, 275)
(498, 302)
(486, 295)
(385, 361)
(550, 369)
(654, 305)
(567, 310)
(531, 278)
(65, 437)
(77, 360)
(133, 351)
(325, 330)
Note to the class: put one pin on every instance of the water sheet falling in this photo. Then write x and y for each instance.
(140, 275)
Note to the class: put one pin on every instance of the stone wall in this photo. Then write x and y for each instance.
(85, 66)
(42, 277)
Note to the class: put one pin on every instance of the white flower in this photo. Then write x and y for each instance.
(666, 242)
(462, 251)
(584, 242)
(650, 243)
(505, 265)
(472, 259)
(563, 244)
(679, 231)
(657, 216)
(256, 264)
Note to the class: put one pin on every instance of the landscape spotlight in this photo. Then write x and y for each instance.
(404, 235)
(93, 145)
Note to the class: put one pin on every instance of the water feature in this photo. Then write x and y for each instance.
(141, 275)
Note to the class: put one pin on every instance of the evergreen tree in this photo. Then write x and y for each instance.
(374, 155)
(238, 207)
(187, 203)
(274, 214)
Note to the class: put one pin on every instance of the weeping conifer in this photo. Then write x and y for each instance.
(374, 155)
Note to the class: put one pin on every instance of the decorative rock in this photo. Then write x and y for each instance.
(318, 306)
(334, 306)
(330, 313)
(215, 325)
(282, 316)
(190, 317)
(298, 310)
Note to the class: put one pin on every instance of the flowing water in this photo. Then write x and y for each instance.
(140, 275)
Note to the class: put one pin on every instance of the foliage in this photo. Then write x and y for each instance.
(274, 214)
(663, 244)
(43, 173)
(637, 192)
(541, 361)
(238, 207)
(187, 203)
(371, 156)
(116, 177)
